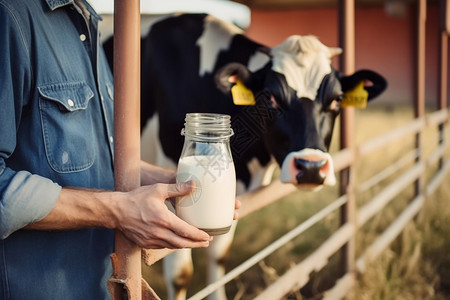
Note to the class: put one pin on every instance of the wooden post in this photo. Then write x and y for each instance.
(347, 65)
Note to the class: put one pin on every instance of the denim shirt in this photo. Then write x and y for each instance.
(56, 130)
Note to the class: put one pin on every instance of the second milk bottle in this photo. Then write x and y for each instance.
(206, 159)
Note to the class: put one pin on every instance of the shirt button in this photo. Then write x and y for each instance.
(70, 102)
(110, 92)
(111, 139)
(82, 37)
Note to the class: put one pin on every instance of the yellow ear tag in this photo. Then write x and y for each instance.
(357, 97)
(242, 95)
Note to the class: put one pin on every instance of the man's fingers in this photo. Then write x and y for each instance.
(174, 241)
(185, 230)
(177, 189)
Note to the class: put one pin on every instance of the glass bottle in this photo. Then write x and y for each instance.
(206, 159)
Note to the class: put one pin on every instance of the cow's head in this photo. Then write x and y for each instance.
(297, 81)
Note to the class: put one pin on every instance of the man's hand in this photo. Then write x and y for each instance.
(144, 218)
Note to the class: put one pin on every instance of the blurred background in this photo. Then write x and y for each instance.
(417, 264)
(384, 31)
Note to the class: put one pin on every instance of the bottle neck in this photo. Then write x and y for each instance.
(207, 127)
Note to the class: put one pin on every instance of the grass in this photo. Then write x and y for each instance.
(415, 266)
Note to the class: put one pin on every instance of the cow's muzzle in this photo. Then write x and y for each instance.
(309, 171)
(309, 168)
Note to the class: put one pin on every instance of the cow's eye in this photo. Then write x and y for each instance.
(335, 105)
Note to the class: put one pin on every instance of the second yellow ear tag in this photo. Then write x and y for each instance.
(242, 95)
(356, 97)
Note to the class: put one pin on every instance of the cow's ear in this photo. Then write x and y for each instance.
(374, 83)
(229, 75)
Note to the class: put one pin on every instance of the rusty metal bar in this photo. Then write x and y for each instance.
(443, 64)
(390, 170)
(437, 154)
(413, 127)
(346, 16)
(151, 256)
(437, 180)
(343, 159)
(419, 99)
(420, 58)
(437, 117)
(445, 16)
(340, 290)
(264, 196)
(125, 283)
(444, 31)
(387, 194)
(380, 141)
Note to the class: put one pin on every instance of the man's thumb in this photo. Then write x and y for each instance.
(180, 189)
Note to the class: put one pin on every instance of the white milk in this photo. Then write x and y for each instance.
(211, 206)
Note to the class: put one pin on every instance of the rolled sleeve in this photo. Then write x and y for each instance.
(26, 199)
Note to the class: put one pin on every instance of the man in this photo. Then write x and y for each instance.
(57, 207)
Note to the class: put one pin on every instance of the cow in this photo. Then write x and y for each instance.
(283, 102)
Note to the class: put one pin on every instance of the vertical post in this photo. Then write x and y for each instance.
(347, 43)
(419, 105)
(125, 283)
(444, 30)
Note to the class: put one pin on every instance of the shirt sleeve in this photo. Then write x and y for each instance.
(24, 197)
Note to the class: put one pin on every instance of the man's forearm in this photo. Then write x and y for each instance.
(80, 208)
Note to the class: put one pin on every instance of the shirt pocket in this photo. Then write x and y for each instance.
(67, 126)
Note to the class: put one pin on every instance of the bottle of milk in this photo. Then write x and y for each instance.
(206, 159)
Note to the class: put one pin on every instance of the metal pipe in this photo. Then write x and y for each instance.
(347, 64)
(419, 99)
(443, 65)
(125, 283)
(420, 58)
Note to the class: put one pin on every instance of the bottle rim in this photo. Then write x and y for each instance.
(208, 126)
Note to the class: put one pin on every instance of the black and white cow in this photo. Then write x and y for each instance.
(190, 64)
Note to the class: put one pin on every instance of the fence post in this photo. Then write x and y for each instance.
(126, 280)
(348, 211)
(419, 103)
(444, 30)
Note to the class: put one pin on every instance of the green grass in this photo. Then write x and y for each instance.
(415, 266)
